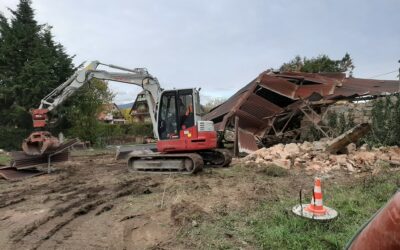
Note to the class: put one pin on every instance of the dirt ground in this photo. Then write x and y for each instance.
(93, 202)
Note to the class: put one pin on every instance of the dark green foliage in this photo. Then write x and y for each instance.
(385, 122)
(81, 113)
(340, 122)
(319, 64)
(11, 138)
(83, 108)
(337, 124)
(112, 132)
(31, 64)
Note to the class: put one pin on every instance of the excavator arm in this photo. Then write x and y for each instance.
(41, 141)
(138, 76)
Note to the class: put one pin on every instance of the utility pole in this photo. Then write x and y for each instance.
(399, 77)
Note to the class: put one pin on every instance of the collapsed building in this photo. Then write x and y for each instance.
(273, 105)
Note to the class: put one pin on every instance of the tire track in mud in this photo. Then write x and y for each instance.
(20, 194)
(33, 235)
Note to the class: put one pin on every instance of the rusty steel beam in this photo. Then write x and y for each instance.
(236, 141)
(350, 136)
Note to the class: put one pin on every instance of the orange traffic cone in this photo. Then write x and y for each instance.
(316, 205)
(315, 210)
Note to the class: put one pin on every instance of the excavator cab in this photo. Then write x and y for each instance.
(178, 122)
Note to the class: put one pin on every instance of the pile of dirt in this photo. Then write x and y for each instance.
(184, 213)
(313, 156)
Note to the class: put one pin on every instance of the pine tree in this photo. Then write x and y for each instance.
(320, 64)
(31, 64)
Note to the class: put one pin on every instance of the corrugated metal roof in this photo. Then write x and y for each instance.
(359, 86)
(271, 94)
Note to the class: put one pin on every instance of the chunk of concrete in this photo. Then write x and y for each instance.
(292, 149)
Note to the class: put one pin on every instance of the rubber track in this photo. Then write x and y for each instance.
(196, 159)
(211, 155)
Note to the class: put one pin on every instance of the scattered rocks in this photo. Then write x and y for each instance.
(351, 148)
(314, 157)
(292, 149)
(283, 163)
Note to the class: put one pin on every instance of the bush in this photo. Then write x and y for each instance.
(102, 134)
(337, 122)
(385, 127)
(11, 138)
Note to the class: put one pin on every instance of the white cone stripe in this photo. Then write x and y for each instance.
(317, 190)
(317, 202)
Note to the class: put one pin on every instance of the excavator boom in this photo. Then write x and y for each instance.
(40, 142)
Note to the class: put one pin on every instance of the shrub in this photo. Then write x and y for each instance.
(11, 138)
(385, 127)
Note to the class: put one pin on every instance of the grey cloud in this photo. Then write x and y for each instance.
(223, 44)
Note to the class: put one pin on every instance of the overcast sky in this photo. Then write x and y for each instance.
(221, 45)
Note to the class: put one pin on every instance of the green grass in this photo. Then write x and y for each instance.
(4, 159)
(273, 226)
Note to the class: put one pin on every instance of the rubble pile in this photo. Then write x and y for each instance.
(314, 156)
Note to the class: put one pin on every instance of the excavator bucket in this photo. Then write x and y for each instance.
(39, 143)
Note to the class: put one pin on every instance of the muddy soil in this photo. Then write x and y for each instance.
(94, 202)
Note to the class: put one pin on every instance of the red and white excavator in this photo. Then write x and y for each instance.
(185, 142)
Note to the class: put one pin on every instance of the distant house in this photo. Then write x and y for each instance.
(140, 109)
(111, 114)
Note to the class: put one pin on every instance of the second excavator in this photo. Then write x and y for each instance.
(185, 143)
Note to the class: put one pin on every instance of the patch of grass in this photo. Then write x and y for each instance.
(273, 225)
(4, 159)
(274, 171)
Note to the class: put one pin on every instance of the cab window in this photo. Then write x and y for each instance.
(185, 109)
(167, 124)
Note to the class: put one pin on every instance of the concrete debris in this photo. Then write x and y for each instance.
(310, 157)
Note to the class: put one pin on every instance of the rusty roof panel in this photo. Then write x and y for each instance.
(218, 126)
(259, 107)
(220, 110)
(225, 107)
(322, 89)
(279, 85)
(249, 122)
(314, 77)
(247, 142)
(359, 86)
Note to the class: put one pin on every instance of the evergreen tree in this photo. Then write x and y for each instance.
(320, 64)
(31, 64)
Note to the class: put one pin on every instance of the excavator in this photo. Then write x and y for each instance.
(185, 142)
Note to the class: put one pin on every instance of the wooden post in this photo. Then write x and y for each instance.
(236, 143)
